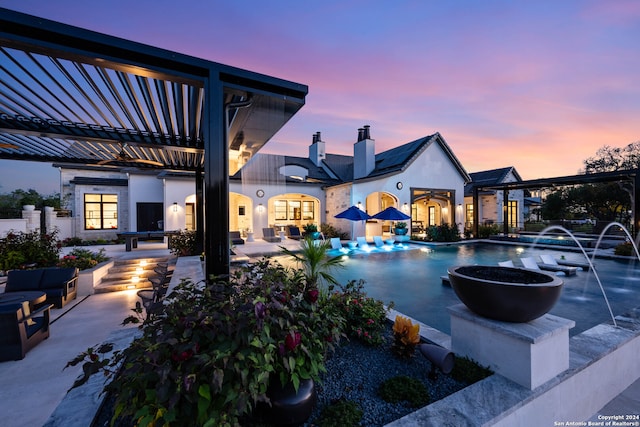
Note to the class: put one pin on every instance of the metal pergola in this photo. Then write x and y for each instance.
(632, 176)
(71, 95)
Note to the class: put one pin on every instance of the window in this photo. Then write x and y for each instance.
(280, 210)
(468, 216)
(307, 210)
(190, 215)
(100, 211)
(512, 213)
(294, 210)
(432, 216)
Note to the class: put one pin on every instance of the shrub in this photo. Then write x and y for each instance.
(330, 231)
(339, 414)
(443, 233)
(403, 388)
(183, 243)
(364, 316)
(83, 259)
(625, 249)
(484, 231)
(29, 249)
(469, 371)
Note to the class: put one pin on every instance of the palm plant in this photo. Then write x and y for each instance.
(314, 261)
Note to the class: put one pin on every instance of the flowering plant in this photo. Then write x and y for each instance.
(365, 317)
(406, 336)
(212, 356)
(83, 258)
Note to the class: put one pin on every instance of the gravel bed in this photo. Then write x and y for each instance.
(355, 371)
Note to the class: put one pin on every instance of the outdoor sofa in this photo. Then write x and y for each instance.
(59, 284)
(21, 329)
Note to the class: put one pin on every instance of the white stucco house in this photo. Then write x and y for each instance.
(423, 178)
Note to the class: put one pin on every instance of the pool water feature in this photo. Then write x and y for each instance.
(412, 280)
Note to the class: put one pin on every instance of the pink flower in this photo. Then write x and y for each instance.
(312, 295)
(292, 340)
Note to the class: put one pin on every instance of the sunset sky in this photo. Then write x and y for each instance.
(539, 85)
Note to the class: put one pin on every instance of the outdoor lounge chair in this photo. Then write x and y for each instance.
(294, 233)
(336, 243)
(377, 240)
(532, 264)
(507, 263)
(549, 263)
(269, 235)
(362, 244)
(21, 329)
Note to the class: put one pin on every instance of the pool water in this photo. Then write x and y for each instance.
(412, 280)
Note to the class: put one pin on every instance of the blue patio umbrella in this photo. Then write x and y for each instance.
(391, 214)
(354, 214)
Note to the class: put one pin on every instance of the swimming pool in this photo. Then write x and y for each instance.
(412, 280)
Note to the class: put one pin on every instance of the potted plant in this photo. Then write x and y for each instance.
(401, 228)
(223, 347)
(311, 230)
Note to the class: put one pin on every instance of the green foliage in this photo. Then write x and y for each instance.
(15, 200)
(313, 259)
(83, 259)
(20, 249)
(400, 225)
(403, 388)
(340, 414)
(310, 228)
(443, 233)
(625, 249)
(365, 317)
(210, 359)
(183, 243)
(469, 371)
(330, 231)
(484, 231)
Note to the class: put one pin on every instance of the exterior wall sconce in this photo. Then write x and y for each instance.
(175, 206)
(260, 208)
(359, 205)
(405, 207)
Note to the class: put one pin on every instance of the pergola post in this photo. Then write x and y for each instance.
(476, 211)
(199, 211)
(505, 211)
(636, 204)
(216, 180)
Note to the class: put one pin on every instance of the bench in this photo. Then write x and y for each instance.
(59, 284)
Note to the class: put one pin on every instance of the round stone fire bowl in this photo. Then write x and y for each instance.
(505, 293)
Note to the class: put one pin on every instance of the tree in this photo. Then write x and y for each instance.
(554, 206)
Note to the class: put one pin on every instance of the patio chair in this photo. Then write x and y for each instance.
(377, 240)
(294, 233)
(234, 237)
(269, 235)
(22, 329)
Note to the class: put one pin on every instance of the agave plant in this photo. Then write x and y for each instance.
(314, 261)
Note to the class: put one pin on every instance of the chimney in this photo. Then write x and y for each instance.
(317, 150)
(364, 154)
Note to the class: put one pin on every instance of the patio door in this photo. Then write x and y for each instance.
(149, 217)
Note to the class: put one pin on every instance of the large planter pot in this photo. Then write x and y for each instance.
(288, 407)
(401, 231)
(505, 293)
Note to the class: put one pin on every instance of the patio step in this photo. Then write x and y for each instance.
(121, 276)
